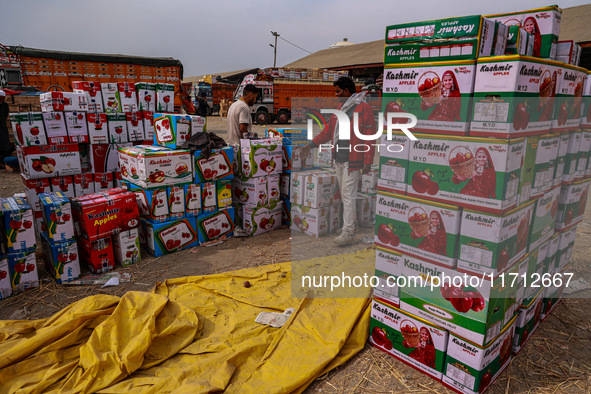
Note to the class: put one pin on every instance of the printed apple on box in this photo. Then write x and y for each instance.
(208, 197)
(63, 101)
(57, 214)
(171, 236)
(219, 165)
(105, 157)
(97, 255)
(64, 185)
(176, 201)
(61, 259)
(111, 98)
(103, 181)
(416, 342)
(49, 160)
(16, 230)
(55, 128)
(146, 96)
(93, 93)
(98, 130)
(572, 202)
(135, 126)
(127, 96)
(77, 127)
(528, 320)
(23, 270)
(117, 125)
(224, 193)
(5, 286)
(165, 97)
(211, 226)
(126, 247)
(148, 120)
(260, 157)
(28, 128)
(569, 98)
(193, 199)
(309, 221)
(83, 184)
(253, 191)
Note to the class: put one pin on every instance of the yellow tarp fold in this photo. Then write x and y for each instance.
(193, 334)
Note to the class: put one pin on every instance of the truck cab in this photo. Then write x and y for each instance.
(262, 110)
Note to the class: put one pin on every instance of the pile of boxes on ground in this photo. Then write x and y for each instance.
(489, 196)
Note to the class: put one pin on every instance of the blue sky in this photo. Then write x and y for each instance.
(212, 37)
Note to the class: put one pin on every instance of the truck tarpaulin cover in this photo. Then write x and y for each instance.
(194, 334)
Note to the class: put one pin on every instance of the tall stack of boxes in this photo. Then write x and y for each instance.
(492, 188)
(257, 185)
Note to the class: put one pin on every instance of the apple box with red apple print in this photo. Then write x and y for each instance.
(83, 184)
(292, 161)
(165, 131)
(49, 160)
(172, 236)
(100, 215)
(192, 199)
(126, 247)
(105, 157)
(135, 126)
(219, 165)
(572, 202)
(584, 154)
(5, 287)
(146, 96)
(585, 123)
(55, 128)
(492, 243)
(261, 157)
(310, 221)
(321, 189)
(28, 128)
(467, 305)
(526, 87)
(209, 201)
(97, 255)
(198, 124)
(57, 214)
(176, 201)
(127, 96)
(257, 220)
(23, 270)
(77, 127)
(93, 92)
(528, 321)
(165, 97)
(224, 193)
(98, 130)
(153, 204)
(63, 184)
(103, 181)
(214, 225)
(183, 128)
(418, 228)
(16, 226)
(63, 101)
(414, 341)
(569, 97)
(111, 100)
(61, 259)
(34, 187)
(117, 125)
(155, 166)
(472, 368)
(148, 120)
(253, 191)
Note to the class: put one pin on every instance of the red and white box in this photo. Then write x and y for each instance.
(83, 184)
(103, 181)
(48, 161)
(117, 128)
(84, 157)
(126, 247)
(165, 97)
(146, 96)
(28, 128)
(148, 119)
(127, 96)
(98, 130)
(63, 101)
(76, 126)
(55, 128)
(94, 95)
(135, 126)
(64, 184)
(34, 187)
(98, 255)
(105, 157)
(111, 97)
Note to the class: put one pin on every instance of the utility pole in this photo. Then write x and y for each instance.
(275, 48)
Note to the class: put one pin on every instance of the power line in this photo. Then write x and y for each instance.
(305, 50)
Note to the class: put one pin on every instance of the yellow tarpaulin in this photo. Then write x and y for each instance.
(194, 334)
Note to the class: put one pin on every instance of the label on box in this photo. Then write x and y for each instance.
(98, 130)
(55, 127)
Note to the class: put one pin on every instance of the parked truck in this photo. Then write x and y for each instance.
(44, 69)
(215, 93)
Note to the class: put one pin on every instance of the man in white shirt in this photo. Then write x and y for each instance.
(239, 117)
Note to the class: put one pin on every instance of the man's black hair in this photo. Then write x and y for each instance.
(346, 83)
(250, 88)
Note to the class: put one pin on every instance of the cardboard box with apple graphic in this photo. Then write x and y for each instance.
(61, 259)
(97, 255)
(171, 236)
(126, 247)
(16, 226)
(55, 128)
(256, 220)
(77, 127)
(28, 128)
(146, 96)
(218, 165)
(5, 286)
(23, 270)
(93, 92)
(57, 214)
(63, 101)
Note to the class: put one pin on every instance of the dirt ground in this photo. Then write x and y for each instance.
(557, 358)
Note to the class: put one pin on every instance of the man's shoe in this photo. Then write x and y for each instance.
(345, 238)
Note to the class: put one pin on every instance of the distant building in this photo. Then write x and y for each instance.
(343, 43)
